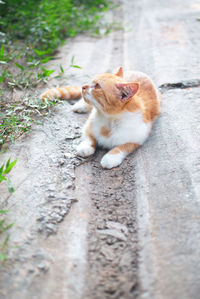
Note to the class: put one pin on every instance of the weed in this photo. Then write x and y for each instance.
(18, 119)
(74, 65)
(4, 227)
(4, 170)
(24, 51)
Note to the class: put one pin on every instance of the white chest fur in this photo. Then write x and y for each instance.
(125, 128)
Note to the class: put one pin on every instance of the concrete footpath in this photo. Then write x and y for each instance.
(82, 232)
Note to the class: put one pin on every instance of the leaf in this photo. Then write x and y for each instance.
(42, 53)
(72, 60)
(76, 66)
(2, 178)
(33, 64)
(3, 211)
(61, 69)
(47, 73)
(1, 52)
(19, 66)
(1, 169)
(5, 242)
(3, 257)
(8, 163)
(45, 60)
(9, 167)
(10, 186)
(2, 77)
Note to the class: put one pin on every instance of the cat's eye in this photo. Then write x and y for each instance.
(97, 86)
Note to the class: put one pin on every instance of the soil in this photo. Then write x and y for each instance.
(112, 234)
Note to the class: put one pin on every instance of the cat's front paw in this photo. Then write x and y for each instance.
(80, 107)
(111, 160)
(84, 149)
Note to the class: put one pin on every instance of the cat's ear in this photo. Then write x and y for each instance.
(127, 90)
(120, 72)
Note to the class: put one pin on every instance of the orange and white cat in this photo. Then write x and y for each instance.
(123, 108)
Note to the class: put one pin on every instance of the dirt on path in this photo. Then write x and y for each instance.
(82, 232)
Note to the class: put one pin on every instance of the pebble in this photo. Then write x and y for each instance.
(43, 267)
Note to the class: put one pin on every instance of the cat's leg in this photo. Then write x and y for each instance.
(88, 146)
(81, 107)
(116, 155)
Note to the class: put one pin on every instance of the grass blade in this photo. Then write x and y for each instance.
(9, 167)
(10, 186)
(2, 178)
(19, 66)
(1, 52)
(2, 77)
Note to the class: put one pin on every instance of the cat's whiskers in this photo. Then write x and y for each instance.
(89, 97)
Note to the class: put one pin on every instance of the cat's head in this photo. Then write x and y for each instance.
(109, 92)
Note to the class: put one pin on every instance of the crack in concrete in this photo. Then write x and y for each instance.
(180, 85)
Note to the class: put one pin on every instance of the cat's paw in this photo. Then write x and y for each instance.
(80, 107)
(84, 149)
(111, 160)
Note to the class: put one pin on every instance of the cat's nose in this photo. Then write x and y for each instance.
(85, 87)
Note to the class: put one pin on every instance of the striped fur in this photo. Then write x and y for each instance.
(63, 93)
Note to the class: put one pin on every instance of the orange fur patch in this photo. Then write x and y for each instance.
(120, 72)
(74, 92)
(105, 132)
(63, 93)
(90, 135)
(148, 99)
(127, 148)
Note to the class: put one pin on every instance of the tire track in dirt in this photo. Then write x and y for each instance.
(112, 236)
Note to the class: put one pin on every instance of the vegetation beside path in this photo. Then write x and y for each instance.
(30, 32)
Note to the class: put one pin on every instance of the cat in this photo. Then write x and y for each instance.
(123, 107)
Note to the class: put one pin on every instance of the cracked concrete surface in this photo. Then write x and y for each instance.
(130, 232)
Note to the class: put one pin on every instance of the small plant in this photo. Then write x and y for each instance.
(4, 227)
(25, 50)
(4, 170)
(74, 65)
(18, 119)
(44, 74)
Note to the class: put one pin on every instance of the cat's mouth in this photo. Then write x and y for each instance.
(86, 96)
(85, 92)
(89, 99)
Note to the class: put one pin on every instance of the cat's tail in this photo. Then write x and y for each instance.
(63, 93)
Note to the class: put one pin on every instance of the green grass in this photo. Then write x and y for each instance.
(30, 32)
(4, 226)
(44, 24)
(19, 117)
